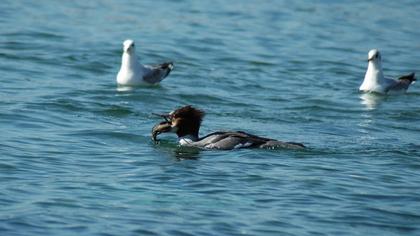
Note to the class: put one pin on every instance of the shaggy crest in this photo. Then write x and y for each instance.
(188, 113)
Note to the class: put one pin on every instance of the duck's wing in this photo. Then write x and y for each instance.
(402, 83)
(156, 73)
(239, 139)
(230, 140)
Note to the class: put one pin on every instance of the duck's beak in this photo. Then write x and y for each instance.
(162, 127)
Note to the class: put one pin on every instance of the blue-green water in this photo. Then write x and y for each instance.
(76, 156)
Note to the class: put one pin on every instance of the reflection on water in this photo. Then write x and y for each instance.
(366, 125)
(124, 88)
(190, 153)
(372, 100)
(174, 150)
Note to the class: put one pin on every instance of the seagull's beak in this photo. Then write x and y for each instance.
(128, 48)
(162, 127)
(373, 57)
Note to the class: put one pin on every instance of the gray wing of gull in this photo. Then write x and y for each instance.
(155, 74)
(401, 84)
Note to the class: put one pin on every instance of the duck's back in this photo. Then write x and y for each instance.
(238, 139)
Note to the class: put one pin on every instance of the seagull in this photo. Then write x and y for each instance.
(133, 73)
(186, 122)
(376, 82)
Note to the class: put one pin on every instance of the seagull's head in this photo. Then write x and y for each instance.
(129, 46)
(374, 56)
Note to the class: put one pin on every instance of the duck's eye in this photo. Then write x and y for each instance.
(377, 55)
(132, 45)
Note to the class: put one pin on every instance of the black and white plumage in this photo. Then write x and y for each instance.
(133, 73)
(375, 81)
(186, 122)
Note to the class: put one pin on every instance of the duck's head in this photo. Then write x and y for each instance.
(129, 46)
(184, 121)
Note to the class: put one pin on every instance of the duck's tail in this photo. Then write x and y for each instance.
(279, 144)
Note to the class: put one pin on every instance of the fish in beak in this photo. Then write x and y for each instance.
(162, 127)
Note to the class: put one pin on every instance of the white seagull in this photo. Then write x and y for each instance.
(376, 82)
(133, 73)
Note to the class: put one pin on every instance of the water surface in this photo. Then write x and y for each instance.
(75, 152)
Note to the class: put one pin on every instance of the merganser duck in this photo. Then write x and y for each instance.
(133, 73)
(376, 82)
(186, 122)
